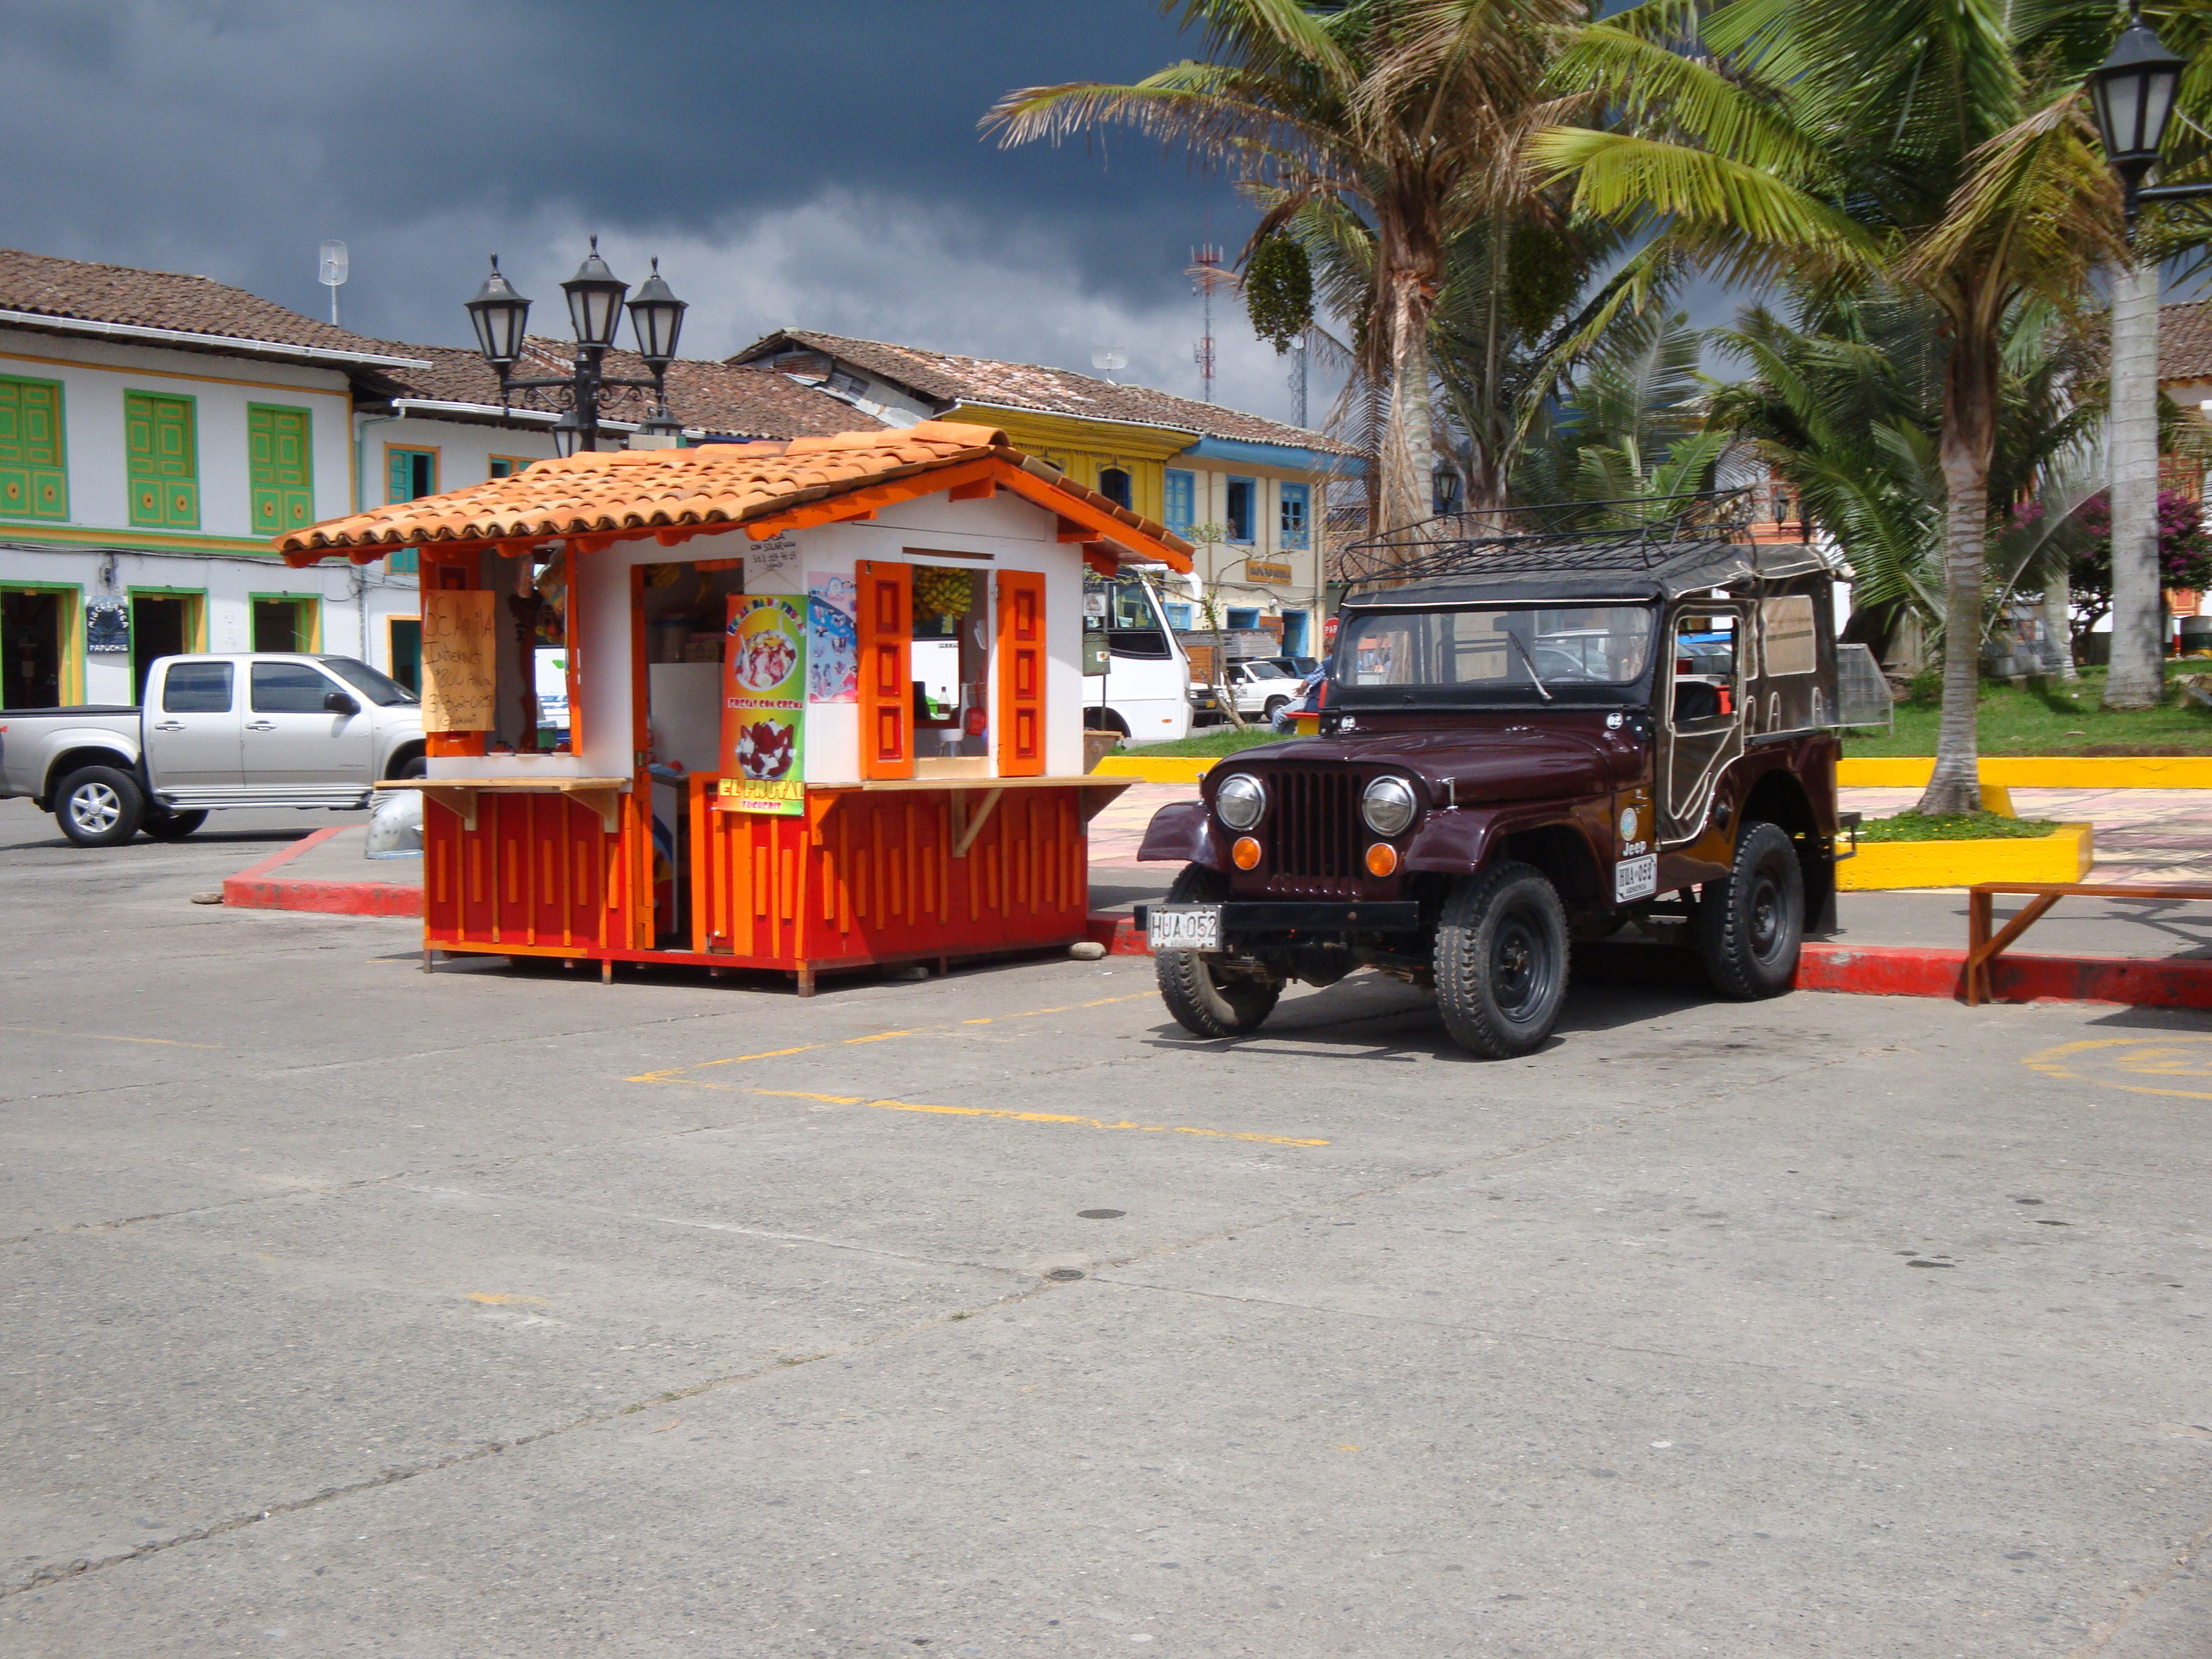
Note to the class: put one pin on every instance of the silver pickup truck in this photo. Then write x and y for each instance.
(258, 729)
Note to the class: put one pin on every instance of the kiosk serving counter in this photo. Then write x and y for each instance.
(824, 697)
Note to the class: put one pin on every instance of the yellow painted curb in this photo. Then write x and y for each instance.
(2037, 771)
(1167, 768)
(2065, 854)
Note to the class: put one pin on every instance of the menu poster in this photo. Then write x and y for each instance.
(460, 661)
(833, 649)
(764, 705)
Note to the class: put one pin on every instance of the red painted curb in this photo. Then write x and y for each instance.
(1879, 970)
(254, 889)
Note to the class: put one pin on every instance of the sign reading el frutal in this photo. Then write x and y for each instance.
(461, 658)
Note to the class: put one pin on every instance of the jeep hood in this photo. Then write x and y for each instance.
(1488, 764)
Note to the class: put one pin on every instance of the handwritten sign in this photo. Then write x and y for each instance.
(772, 565)
(460, 661)
(765, 706)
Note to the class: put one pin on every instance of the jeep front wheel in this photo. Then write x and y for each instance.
(1501, 961)
(1751, 923)
(1205, 1001)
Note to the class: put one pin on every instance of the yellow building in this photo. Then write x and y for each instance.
(1249, 491)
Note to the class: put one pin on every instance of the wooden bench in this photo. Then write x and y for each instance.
(1982, 949)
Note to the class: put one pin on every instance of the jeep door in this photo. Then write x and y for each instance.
(1702, 728)
(292, 737)
(191, 718)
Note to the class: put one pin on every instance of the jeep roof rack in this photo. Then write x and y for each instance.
(1634, 533)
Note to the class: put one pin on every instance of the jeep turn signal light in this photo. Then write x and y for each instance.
(1246, 853)
(1382, 859)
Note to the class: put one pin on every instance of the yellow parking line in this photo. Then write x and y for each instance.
(96, 1036)
(887, 1105)
(673, 1072)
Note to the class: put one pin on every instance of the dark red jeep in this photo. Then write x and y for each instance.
(1530, 735)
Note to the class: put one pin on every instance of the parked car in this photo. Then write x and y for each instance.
(1524, 743)
(1260, 687)
(262, 729)
(1296, 667)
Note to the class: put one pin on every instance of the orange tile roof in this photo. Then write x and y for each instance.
(680, 492)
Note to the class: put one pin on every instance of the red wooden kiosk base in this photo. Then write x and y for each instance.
(869, 874)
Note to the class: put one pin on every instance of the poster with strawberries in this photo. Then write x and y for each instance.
(764, 705)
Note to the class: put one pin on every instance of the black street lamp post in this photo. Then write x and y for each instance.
(595, 307)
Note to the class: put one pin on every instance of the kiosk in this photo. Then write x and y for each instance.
(822, 700)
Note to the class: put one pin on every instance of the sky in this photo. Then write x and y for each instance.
(792, 163)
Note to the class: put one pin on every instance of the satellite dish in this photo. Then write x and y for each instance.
(1110, 359)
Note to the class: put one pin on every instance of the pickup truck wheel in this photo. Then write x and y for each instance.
(1275, 706)
(416, 767)
(171, 826)
(1205, 1001)
(1750, 924)
(1501, 961)
(99, 806)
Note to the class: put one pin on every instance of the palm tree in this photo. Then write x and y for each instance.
(1408, 116)
(1942, 146)
(1632, 426)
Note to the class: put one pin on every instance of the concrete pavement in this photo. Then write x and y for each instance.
(494, 1312)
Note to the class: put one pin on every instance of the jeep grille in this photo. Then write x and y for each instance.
(1316, 843)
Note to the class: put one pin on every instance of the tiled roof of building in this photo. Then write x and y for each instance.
(950, 379)
(2184, 341)
(727, 399)
(71, 291)
(624, 492)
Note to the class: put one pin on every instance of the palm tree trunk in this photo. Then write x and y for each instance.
(1969, 407)
(1408, 453)
(2058, 627)
(2138, 677)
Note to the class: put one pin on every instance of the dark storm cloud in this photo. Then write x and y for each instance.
(791, 162)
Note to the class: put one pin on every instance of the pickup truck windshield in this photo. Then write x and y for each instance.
(1509, 650)
(379, 689)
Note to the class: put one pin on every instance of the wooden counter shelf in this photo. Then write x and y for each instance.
(968, 821)
(601, 795)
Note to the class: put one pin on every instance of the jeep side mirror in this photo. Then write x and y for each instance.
(339, 702)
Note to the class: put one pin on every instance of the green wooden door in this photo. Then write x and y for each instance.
(283, 466)
(33, 482)
(164, 455)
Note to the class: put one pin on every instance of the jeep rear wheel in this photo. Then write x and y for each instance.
(99, 806)
(1501, 961)
(1751, 923)
(1205, 1001)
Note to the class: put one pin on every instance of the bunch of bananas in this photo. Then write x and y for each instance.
(941, 592)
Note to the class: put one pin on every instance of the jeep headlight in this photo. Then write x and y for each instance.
(1240, 800)
(1387, 806)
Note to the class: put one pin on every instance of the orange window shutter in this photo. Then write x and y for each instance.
(886, 630)
(1021, 674)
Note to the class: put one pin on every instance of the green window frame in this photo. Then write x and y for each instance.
(161, 436)
(410, 474)
(280, 451)
(34, 468)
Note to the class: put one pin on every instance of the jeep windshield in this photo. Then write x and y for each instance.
(1511, 656)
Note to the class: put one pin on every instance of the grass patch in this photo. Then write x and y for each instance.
(2047, 717)
(1954, 826)
(1215, 740)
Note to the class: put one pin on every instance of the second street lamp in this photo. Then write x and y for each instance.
(594, 293)
(2132, 93)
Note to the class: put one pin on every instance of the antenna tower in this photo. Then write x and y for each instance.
(1207, 261)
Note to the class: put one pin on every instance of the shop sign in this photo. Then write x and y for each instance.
(765, 706)
(1262, 571)
(107, 626)
(460, 673)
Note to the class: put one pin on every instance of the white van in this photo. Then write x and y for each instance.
(1145, 695)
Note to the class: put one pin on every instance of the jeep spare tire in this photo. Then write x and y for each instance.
(99, 806)
(1501, 961)
(1205, 1001)
(1751, 924)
